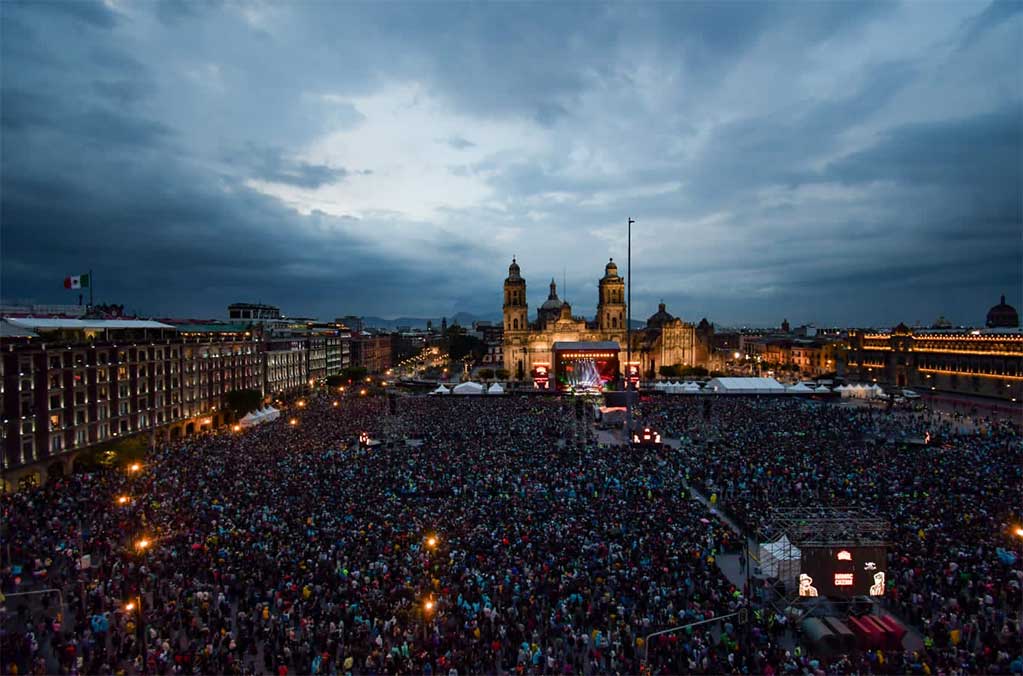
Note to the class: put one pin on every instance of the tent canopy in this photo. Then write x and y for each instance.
(468, 388)
(441, 390)
(745, 386)
(495, 389)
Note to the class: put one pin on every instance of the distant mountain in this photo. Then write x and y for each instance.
(462, 318)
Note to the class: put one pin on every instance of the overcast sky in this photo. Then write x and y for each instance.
(831, 162)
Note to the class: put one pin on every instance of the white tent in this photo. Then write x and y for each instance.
(249, 420)
(691, 387)
(745, 386)
(271, 413)
(798, 388)
(822, 390)
(877, 390)
(495, 389)
(842, 390)
(468, 387)
(441, 390)
(780, 559)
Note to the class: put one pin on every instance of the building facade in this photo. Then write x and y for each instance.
(985, 362)
(528, 344)
(668, 341)
(371, 351)
(67, 384)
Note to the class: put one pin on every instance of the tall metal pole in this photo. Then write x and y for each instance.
(628, 337)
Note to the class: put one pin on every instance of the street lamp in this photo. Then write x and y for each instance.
(123, 500)
(431, 541)
(134, 467)
(142, 544)
(293, 422)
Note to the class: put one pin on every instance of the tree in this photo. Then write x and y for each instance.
(485, 374)
(354, 374)
(241, 402)
(502, 374)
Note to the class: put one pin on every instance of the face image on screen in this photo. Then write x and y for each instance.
(842, 571)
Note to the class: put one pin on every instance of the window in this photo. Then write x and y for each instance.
(55, 401)
(55, 443)
(79, 398)
(54, 381)
(102, 357)
(26, 384)
(27, 427)
(80, 418)
(81, 437)
(55, 422)
(55, 362)
(122, 372)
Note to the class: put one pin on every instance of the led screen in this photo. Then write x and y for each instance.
(842, 571)
(585, 371)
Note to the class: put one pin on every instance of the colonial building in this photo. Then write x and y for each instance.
(986, 362)
(67, 384)
(668, 341)
(527, 344)
(665, 341)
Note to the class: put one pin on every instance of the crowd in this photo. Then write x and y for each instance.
(486, 535)
(294, 549)
(954, 504)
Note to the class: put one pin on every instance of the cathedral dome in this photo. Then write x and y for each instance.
(659, 318)
(1002, 316)
(611, 270)
(553, 302)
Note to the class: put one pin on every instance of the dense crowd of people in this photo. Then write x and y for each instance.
(493, 535)
(294, 549)
(952, 491)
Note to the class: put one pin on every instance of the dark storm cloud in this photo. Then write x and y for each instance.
(820, 161)
(271, 164)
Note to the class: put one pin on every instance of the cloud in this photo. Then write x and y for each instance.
(853, 163)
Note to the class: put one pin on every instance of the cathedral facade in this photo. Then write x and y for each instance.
(666, 340)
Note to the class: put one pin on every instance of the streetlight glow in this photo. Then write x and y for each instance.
(431, 541)
(428, 606)
(123, 500)
(134, 467)
(129, 606)
(293, 422)
(237, 428)
(142, 544)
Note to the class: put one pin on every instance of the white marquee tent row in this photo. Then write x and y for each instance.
(470, 388)
(259, 416)
(860, 391)
(678, 388)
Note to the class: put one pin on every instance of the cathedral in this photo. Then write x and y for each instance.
(665, 341)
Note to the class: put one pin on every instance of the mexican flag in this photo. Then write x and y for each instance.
(77, 282)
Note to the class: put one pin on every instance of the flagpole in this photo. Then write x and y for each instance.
(92, 282)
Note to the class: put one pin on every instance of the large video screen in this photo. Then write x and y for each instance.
(843, 571)
(585, 371)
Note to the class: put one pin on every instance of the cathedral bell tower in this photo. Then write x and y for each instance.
(516, 311)
(611, 304)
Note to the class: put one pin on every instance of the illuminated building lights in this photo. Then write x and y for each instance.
(969, 373)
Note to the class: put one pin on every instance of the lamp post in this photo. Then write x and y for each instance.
(628, 335)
